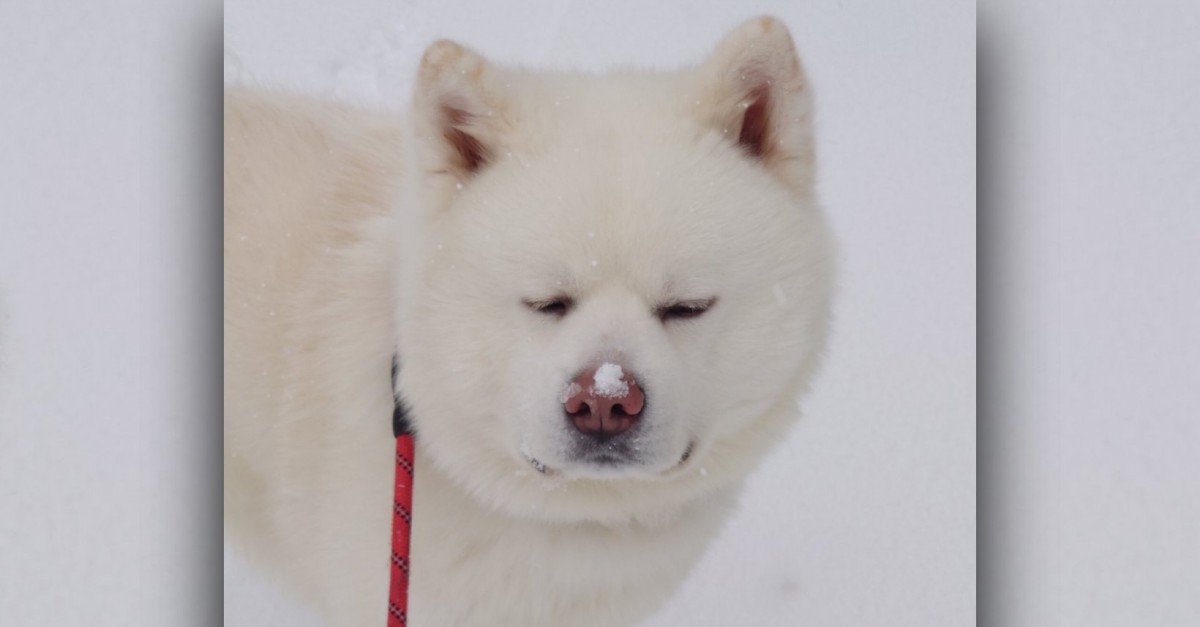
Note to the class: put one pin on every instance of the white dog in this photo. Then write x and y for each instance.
(605, 292)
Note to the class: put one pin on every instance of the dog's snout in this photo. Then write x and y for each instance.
(604, 402)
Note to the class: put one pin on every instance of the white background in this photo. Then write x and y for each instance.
(1089, 345)
(1091, 312)
(866, 515)
(110, 302)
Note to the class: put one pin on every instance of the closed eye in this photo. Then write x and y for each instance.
(558, 306)
(685, 309)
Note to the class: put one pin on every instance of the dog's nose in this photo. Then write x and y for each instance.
(604, 402)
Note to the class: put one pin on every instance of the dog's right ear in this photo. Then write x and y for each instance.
(754, 90)
(459, 109)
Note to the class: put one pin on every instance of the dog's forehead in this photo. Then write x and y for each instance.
(604, 171)
(589, 226)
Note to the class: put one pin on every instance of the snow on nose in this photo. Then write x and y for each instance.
(603, 402)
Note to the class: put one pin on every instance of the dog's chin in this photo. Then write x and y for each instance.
(603, 468)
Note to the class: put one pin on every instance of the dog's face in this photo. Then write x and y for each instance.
(617, 285)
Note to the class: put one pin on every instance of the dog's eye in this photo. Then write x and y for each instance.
(684, 309)
(557, 307)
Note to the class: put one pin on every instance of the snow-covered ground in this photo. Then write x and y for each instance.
(865, 516)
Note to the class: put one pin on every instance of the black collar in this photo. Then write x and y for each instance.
(401, 425)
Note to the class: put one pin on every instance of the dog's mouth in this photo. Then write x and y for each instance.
(612, 461)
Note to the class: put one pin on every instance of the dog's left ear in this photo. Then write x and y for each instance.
(754, 90)
(459, 110)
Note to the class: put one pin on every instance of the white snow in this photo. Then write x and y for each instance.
(569, 390)
(609, 381)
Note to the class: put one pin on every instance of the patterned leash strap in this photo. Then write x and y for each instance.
(401, 531)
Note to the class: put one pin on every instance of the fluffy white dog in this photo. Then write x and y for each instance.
(605, 292)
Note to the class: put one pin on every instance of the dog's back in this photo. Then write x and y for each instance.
(308, 187)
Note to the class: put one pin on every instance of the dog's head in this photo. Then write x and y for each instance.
(614, 287)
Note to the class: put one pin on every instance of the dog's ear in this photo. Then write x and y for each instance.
(459, 111)
(754, 90)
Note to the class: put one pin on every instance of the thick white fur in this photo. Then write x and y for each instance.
(351, 235)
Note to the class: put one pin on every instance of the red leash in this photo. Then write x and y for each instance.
(401, 510)
(401, 531)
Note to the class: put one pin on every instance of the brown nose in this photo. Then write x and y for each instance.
(603, 402)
